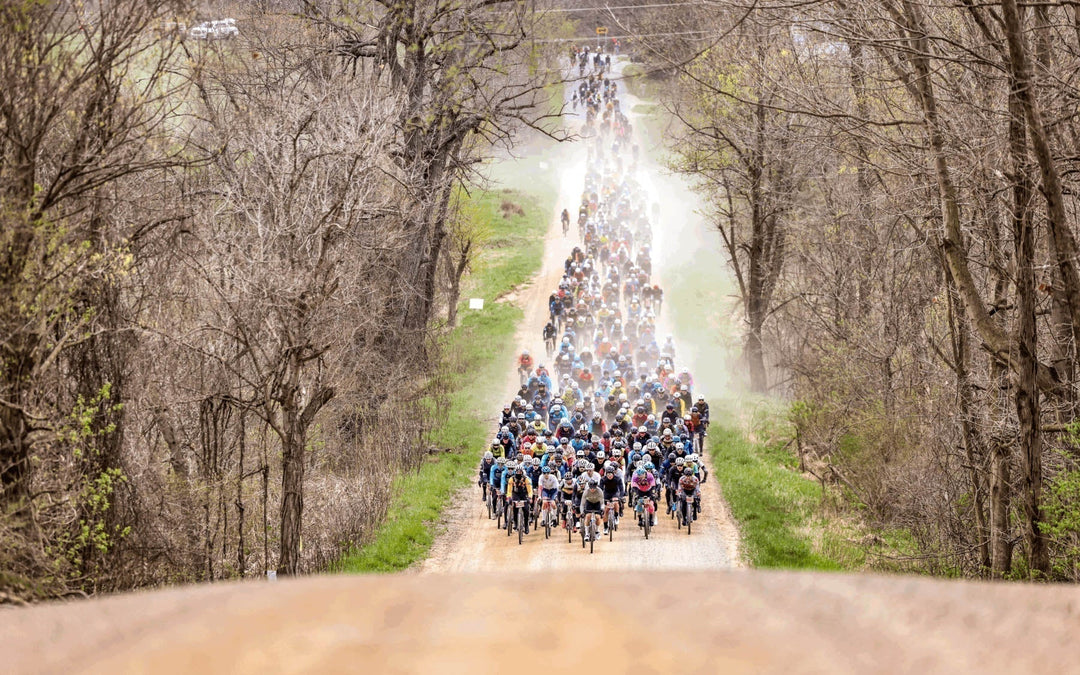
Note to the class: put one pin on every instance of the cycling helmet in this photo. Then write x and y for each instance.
(688, 471)
(488, 456)
(641, 472)
(616, 452)
(501, 461)
(536, 461)
(593, 482)
(637, 445)
(580, 454)
(505, 429)
(649, 466)
(600, 454)
(671, 456)
(679, 445)
(564, 441)
(519, 471)
(546, 469)
(679, 461)
(692, 457)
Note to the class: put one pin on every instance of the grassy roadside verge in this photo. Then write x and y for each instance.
(787, 520)
(478, 352)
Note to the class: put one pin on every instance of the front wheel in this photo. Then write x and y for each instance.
(520, 526)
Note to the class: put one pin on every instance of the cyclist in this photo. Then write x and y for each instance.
(519, 489)
(486, 465)
(565, 218)
(641, 485)
(690, 486)
(525, 365)
(549, 488)
(550, 334)
(612, 485)
(495, 478)
(592, 502)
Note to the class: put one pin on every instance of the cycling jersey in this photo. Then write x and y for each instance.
(592, 500)
(520, 488)
(689, 485)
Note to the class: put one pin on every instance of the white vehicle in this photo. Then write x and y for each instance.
(215, 30)
(224, 29)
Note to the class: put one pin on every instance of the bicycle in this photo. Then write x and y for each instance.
(590, 530)
(565, 224)
(687, 512)
(644, 508)
(489, 494)
(547, 507)
(500, 510)
(612, 518)
(519, 507)
(534, 512)
(568, 520)
(699, 441)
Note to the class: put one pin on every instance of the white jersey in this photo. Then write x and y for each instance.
(548, 481)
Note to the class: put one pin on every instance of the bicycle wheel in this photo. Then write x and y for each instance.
(498, 514)
(509, 521)
(592, 534)
(547, 524)
(611, 526)
(689, 516)
(648, 523)
(520, 526)
(489, 506)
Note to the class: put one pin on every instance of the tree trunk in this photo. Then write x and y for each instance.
(293, 429)
(1025, 391)
(292, 493)
(965, 393)
(755, 360)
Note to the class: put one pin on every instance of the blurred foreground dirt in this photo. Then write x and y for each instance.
(733, 622)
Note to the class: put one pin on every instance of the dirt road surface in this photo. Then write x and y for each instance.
(470, 542)
(727, 622)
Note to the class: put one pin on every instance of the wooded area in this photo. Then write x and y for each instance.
(219, 280)
(895, 184)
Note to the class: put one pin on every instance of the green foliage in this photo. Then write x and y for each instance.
(1061, 511)
(479, 351)
(92, 534)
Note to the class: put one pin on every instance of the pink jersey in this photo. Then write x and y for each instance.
(643, 483)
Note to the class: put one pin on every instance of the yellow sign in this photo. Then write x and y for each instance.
(601, 30)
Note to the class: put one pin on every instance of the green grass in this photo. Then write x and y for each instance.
(478, 353)
(772, 504)
(786, 520)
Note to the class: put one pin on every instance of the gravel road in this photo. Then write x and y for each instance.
(469, 541)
